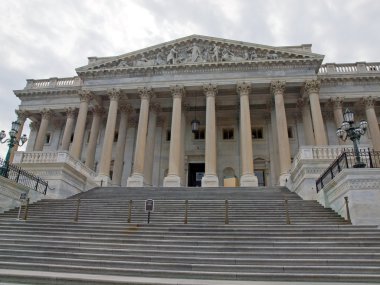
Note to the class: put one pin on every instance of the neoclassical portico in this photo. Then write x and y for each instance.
(224, 84)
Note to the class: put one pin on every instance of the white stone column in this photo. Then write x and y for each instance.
(151, 141)
(70, 113)
(41, 136)
(173, 179)
(248, 178)
(373, 124)
(34, 126)
(97, 113)
(76, 146)
(182, 173)
(210, 179)
(303, 104)
(137, 178)
(125, 110)
(337, 104)
(312, 89)
(129, 148)
(21, 117)
(278, 89)
(109, 134)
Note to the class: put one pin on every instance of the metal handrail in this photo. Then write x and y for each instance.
(20, 176)
(348, 159)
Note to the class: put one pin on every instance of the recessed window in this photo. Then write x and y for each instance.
(115, 136)
(290, 133)
(228, 134)
(199, 135)
(257, 133)
(72, 138)
(47, 138)
(168, 135)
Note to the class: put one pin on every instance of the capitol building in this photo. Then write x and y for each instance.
(196, 111)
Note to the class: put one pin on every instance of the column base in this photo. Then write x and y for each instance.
(172, 181)
(210, 181)
(103, 180)
(249, 180)
(284, 179)
(136, 180)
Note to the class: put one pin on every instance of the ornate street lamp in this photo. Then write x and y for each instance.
(195, 123)
(12, 141)
(348, 130)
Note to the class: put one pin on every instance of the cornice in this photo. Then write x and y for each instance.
(22, 93)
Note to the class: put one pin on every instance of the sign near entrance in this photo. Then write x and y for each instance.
(23, 196)
(149, 205)
(199, 176)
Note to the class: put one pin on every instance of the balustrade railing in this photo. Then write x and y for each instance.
(53, 82)
(358, 67)
(23, 177)
(348, 159)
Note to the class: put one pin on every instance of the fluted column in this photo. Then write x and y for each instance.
(34, 126)
(210, 179)
(303, 104)
(118, 165)
(312, 89)
(248, 178)
(337, 104)
(21, 117)
(149, 152)
(70, 113)
(373, 124)
(173, 179)
(278, 89)
(45, 118)
(137, 178)
(76, 146)
(97, 113)
(109, 134)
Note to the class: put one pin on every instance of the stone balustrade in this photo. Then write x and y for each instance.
(53, 82)
(53, 157)
(349, 68)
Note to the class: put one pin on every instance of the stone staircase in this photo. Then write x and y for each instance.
(256, 245)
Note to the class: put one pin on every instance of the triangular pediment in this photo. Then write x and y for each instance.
(200, 50)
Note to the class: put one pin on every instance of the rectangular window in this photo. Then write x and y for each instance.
(228, 134)
(290, 133)
(168, 135)
(47, 138)
(199, 135)
(257, 133)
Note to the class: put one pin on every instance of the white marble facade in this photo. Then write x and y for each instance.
(128, 117)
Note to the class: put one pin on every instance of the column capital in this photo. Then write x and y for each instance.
(70, 112)
(243, 88)
(312, 86)
(155, 107)
(85, 96)
(337, 102)
(114, 94)
(277, 86)
(210, 89)
(126, 108)
(368, 102)
(98, 110)
(178, 91)
(145, 92)
(22, 115)
(46, 113)
(34, 126)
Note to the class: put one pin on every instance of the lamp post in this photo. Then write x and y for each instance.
(12, 141)
(348, 130)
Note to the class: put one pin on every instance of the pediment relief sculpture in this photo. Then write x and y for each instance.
(197, 52)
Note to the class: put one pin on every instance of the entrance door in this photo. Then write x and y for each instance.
(260, 176)
(196, 172)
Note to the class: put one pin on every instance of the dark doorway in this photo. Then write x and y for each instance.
(196, 172)
(260, 174)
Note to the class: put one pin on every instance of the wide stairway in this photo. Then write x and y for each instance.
(195, 236)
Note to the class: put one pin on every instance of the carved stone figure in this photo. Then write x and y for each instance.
(123, 63)
(215, 53)
(172, 56)
(195, 53)
(227, 55)
(160, 58)
(253, 55)
(272, 56)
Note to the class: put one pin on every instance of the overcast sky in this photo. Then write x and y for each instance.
(50, 38)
